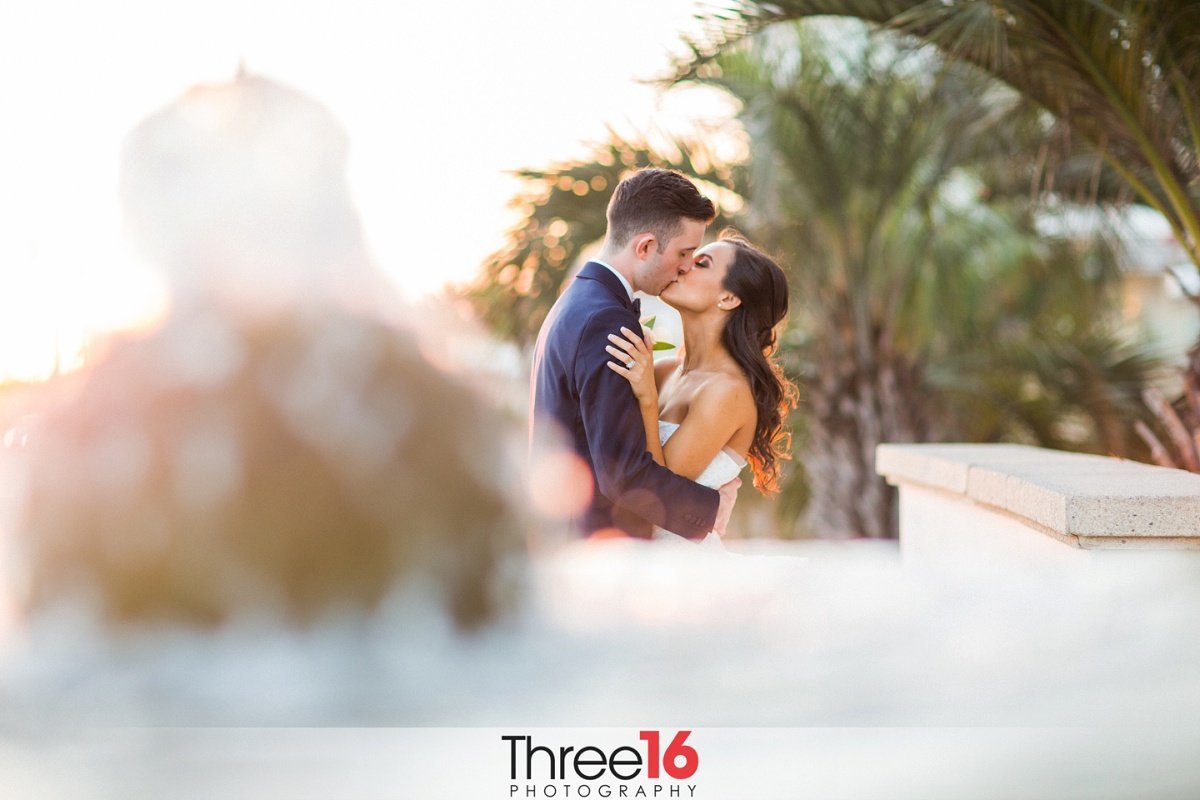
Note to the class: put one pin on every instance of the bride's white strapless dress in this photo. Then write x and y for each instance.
(725, 466)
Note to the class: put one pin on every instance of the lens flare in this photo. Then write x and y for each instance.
(560, 484)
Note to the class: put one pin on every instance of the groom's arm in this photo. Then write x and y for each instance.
(612, 423)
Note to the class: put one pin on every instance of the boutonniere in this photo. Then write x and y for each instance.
(648, 329)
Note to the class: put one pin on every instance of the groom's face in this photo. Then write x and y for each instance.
(658, 270)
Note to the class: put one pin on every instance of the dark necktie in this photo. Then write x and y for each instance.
(637, 307)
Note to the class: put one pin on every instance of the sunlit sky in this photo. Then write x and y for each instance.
(440, 100)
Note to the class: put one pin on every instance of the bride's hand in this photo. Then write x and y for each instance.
(635, 362)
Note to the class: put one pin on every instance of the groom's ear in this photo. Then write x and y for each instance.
(644, 244)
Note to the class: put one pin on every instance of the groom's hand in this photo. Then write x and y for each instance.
(728, 494)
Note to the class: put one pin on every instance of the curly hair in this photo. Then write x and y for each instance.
(750, 337)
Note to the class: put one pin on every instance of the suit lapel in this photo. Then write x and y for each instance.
(598, 272)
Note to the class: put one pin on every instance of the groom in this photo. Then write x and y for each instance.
(656, 220)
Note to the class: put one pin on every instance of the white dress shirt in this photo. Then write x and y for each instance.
(612, 269)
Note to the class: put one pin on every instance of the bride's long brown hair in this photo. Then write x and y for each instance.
(751, 338)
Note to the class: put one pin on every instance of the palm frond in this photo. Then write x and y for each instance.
(1181, 438)
(1123, 75)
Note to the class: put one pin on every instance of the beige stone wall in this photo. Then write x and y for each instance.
(1030, 505)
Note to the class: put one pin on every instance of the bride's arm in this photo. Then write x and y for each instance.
(722, 407)
(635, 362)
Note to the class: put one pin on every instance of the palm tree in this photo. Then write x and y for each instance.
(1122, 76)
(921, 312)
(1125, 74)
(1179, 423)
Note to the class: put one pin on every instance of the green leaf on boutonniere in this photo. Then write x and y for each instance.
(663, 346)
(650, 322)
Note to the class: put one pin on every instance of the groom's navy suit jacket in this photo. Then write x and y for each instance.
(594, 407)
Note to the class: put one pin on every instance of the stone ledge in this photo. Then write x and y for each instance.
(1094, 501)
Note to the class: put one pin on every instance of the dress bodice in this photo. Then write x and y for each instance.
(724, 467)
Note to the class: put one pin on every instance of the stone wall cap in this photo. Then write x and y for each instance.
(1102, 501)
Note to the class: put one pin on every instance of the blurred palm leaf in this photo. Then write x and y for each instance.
(1123, 75)
(1177, 444)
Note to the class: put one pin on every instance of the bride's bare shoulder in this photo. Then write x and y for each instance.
(727, 392)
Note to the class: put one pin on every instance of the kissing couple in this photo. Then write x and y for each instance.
(666, 441)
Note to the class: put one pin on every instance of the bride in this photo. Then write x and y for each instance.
(723, 402)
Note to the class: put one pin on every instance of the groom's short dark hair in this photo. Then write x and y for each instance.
(655, 200)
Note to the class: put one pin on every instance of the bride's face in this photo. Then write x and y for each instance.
(699, 289)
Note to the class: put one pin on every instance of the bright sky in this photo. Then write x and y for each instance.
(440, 99)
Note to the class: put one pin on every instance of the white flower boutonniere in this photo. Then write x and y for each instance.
(648, 330)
